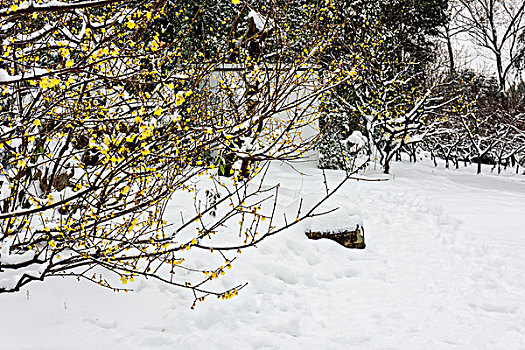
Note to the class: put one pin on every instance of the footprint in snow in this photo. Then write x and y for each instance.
(102, 324)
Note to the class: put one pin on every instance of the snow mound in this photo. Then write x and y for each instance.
(334, 221)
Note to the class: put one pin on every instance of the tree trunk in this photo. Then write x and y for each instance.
(388, 159)
(451, 63)
(501, 76)
(387, 167)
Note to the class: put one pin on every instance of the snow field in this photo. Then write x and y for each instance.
(443, 269)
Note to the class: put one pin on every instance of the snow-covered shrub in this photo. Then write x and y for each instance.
(110, 135)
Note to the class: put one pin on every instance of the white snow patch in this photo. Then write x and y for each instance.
(443, 269)
(261, 23)
(357, 139)
(5, 77)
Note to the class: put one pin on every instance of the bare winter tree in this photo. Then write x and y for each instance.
(497, 26)
(450, 30)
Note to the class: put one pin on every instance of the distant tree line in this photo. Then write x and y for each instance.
(413, 98)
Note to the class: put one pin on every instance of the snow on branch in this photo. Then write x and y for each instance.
(52, 6)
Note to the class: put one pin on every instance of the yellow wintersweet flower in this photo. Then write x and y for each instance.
(180, 98)
(64, 51)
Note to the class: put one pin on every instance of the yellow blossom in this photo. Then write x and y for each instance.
(180, 98)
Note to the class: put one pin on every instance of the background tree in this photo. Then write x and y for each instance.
(392, 38)
(496, 26)
(480, 126)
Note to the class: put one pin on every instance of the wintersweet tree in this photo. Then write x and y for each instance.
(124, 154)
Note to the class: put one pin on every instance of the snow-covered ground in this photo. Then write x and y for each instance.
(444, 268)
